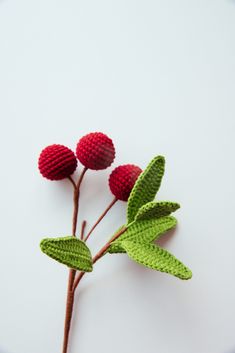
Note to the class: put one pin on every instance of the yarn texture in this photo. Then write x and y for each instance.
(57, 162)
(122, 179)
(69, 251)
(156, 210)
(146, 219)
(95, 151)
(156, 258)
(143, 231)
(147, 186)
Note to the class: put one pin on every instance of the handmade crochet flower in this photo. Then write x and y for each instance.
(122, 179)
(57, 162)
(95, 151)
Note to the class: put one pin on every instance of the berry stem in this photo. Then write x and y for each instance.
(72, 181)
(83, 229)
(98, 256)
(76, 201)
(72, 272)
(75, 211)
(101, 217)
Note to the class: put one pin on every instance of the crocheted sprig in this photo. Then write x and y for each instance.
(147, 219)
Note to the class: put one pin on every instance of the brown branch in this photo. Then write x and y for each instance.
(101, 217)
(81, 177)
(83, 229)
(76, 201)
(72, 272)
(75, 211)
(98, 256)
(72, 181)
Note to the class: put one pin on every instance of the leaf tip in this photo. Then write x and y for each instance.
(173, 220)
(177, 206)
(189, 274)
(160, 160)
(174, 207)
(43, 244)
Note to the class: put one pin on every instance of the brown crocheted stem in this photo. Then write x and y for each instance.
(69, 311)
(98, 256)
(72, 273)
(76, 199)
(73, 282)
(101, 217)
(83, 229)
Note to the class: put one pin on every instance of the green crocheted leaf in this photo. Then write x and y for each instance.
(69, 251)
(146, 187)
(143, 231)
(156, 210)
(156, 258)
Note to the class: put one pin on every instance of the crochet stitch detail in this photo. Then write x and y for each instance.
(122, 179)
(156, 258)
(156, 210)
(146, 187)
(69, 251)
(57, 162)
(144, 231)
(95, 151)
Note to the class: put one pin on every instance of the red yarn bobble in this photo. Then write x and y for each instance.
(57, 162)
(122, 179)
(95, 151)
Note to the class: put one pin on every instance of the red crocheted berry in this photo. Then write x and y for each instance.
(95, 151)
(122, 179)
(57, 162)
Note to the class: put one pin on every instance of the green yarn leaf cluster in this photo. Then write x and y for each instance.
(143, 231)
(69, 251)
(147, 220)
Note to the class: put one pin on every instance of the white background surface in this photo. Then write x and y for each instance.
(159, 78)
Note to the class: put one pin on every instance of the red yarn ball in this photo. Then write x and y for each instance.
(122, 179)
(57, 162)
(95, 151)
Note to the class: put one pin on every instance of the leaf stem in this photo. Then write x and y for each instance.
(101, 217)
(98, 256)
(72, 272)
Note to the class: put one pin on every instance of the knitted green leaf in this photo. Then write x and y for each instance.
(145, 187)
(70, 251)
(143, 231)
(156, 210)
(156, 258)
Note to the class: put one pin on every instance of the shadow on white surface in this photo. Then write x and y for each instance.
(2, 350)
(165, 238)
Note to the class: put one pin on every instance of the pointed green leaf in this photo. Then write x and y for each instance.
(69, 251)
(156, 258)
(145, 187)
(156, 210)
(143, 231)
